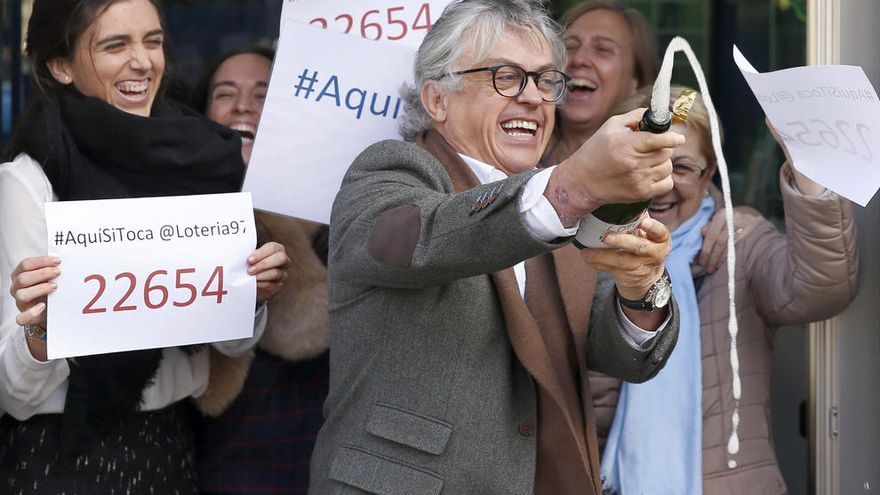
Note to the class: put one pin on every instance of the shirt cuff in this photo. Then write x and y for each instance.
(639, 336)
(538, 214)
(240, 347)
(23, 355)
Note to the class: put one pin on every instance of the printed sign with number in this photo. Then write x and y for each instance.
(320, 112)
(829, 118)
(334, 90)
(150, 272)
(403, 21)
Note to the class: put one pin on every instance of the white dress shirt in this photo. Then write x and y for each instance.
(543, 223)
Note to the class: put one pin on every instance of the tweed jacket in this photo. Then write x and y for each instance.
(431, 391)
(807, 274)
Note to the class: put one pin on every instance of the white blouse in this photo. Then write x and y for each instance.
(29, 386)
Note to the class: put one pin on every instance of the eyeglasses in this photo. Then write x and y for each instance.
(687, 174)
(510, 80)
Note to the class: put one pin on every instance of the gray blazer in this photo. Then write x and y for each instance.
(426, 393)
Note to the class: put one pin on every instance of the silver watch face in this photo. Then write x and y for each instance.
(662, 293)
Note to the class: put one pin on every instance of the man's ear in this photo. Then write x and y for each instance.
(59, 67)
(434, 101)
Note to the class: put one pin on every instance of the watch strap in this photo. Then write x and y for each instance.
(646, 304)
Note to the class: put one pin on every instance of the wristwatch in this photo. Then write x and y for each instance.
(657, 297)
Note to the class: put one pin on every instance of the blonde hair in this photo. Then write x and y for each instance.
(697, 119)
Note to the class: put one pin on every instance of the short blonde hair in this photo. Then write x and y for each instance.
(697, 120)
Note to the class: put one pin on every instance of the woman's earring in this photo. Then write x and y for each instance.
(66, 78)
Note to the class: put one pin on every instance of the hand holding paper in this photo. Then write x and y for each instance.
(155, 272)
(268, 264)
(805, 185)
(828, 117)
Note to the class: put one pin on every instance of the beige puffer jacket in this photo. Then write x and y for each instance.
(806, 275)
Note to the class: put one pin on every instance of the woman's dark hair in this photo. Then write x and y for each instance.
(200, 92)
(54, 29)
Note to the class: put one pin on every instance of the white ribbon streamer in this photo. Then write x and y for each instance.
(660, 109)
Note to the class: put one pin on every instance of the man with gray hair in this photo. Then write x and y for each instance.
(463, 320)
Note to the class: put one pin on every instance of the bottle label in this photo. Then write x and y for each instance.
(592, 231)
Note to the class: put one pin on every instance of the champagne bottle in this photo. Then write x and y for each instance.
(622, 217)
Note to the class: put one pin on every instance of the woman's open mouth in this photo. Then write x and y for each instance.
(246, 131)
(135, 91)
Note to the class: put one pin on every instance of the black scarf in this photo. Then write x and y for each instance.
(91, 150)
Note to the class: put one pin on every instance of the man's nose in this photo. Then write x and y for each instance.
(531, 94)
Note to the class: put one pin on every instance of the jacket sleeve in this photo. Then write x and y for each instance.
(25, 383)
(612, 352)
(396, 223)
(810, 272)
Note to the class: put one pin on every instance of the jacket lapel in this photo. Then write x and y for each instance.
(577, 283)
(524, 335)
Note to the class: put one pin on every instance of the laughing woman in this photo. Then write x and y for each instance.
(99, 129)
(807, 273)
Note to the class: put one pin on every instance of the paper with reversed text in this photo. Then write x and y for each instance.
(829, 118)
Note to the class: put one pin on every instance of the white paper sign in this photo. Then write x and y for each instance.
(401, 21)
(323, 107)
(829, 118)
(150, 272)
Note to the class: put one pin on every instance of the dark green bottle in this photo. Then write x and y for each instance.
(621, 217)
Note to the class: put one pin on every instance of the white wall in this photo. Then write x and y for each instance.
(858, 338)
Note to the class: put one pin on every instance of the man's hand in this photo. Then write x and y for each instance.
(635, 261)
(616, 165)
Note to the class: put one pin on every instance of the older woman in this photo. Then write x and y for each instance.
(100, 129)
(806, 274)
(610, 54)
(460, 313)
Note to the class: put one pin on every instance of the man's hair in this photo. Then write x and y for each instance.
(644, 47)
(471, 25)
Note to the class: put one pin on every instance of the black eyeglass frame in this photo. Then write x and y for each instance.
(523, 82)
(700, 171)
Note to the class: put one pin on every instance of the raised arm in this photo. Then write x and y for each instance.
(396, 222)
(810, 272)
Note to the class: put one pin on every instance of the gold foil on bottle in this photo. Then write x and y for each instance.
(682, 105)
